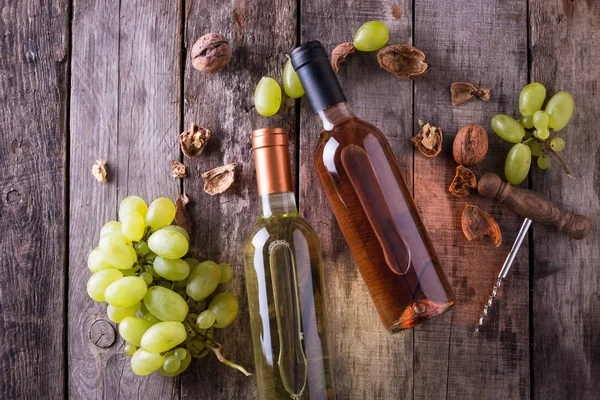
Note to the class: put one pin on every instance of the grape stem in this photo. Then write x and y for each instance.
(564, 165)
(216, 348)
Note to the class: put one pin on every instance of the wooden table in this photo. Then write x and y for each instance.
(86, 80)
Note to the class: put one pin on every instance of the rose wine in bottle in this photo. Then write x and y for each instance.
(371, 203)
(284, 279)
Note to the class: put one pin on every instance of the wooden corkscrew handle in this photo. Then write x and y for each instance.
(535, 206)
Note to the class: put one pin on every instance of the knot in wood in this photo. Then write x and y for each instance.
(13, 196)
(102, 333)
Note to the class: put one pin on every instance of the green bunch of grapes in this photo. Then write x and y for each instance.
(534, 134)
(163, 303)
(371, 36)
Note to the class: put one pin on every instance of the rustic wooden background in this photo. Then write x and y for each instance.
(82, 80)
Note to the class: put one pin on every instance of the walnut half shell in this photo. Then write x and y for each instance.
(218, 180)
(403, 60)
(429, 140)
(463, 92)
(194, 140)
(339, 54)
(463, 181)
(476, 224)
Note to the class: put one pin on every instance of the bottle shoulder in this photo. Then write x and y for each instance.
(280, 228)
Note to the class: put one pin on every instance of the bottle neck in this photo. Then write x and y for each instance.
(334, 116)
(278, 203)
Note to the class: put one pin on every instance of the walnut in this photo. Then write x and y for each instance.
(463, 92)
(194, 140)
(470, 145)
(178, 169)
(403, 60)
(463, 180)
(339, 54)
(211, 53)
(182, 218)
(429, 140)
(476, 224)
(99, 171)
(218, 180)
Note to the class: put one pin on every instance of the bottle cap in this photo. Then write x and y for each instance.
(271, 158)
(312, 65)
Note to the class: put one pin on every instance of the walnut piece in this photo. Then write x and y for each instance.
(211, 53)
(403, 60)
(99, 171)
(178, 169)
(182, 217)
(463, 181)
(218, 180)
(470, 145)
(194, 140)
(429, 140)
(476, 224)
(339, 54)
(463, 92)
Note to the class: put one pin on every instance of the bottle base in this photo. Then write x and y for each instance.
(419, 311)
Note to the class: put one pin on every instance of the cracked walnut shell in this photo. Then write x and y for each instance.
(463, 92)
(463, 181)
(403, 60)
(339, 54)
(99, 171)
(178, 169)
(429, 140)
(194, 140)
(218, 180)
(476, 224)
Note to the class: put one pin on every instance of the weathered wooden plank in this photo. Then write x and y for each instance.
(261, 33)
(483, 42)
(369, 363)
(566, 306)
(125, 109)
(33, 100)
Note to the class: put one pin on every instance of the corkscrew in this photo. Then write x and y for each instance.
(532, 206)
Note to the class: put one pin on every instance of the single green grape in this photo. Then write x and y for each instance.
(206, 319)
(291, 83)
(531, 98)
(144, 363)
(118, 314)
(129, 349)
(168, 244)
(267, 97)
(97, 261)
(173, 270)
(543, 162)
(203, 280)
(133, 226)
(132, 204)
(165, 304)
(97, 284)
(132, 329)
(526, 122)
(540, 119)
(179, 229)
(147, 277)
(163, 336)
(142, 248)
(542, 133)
(160, 213)
(557, 144)
(126, 291)
(171, 364)
(180, 353)
(225, 307)
(371, 36)
(226, 272)
(117, 250)
(508, 128)
(185, 363)
(536, 148)
(110, 227)
(560, 109)
(517, 164)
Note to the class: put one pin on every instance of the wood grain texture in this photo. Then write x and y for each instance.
(126, 110)
(566, 307)
(484, 43)
(369, 363)
(261, 34)
(33, 100)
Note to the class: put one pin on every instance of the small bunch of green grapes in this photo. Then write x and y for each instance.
(534, 132)
(371, 36)
(163, 303)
